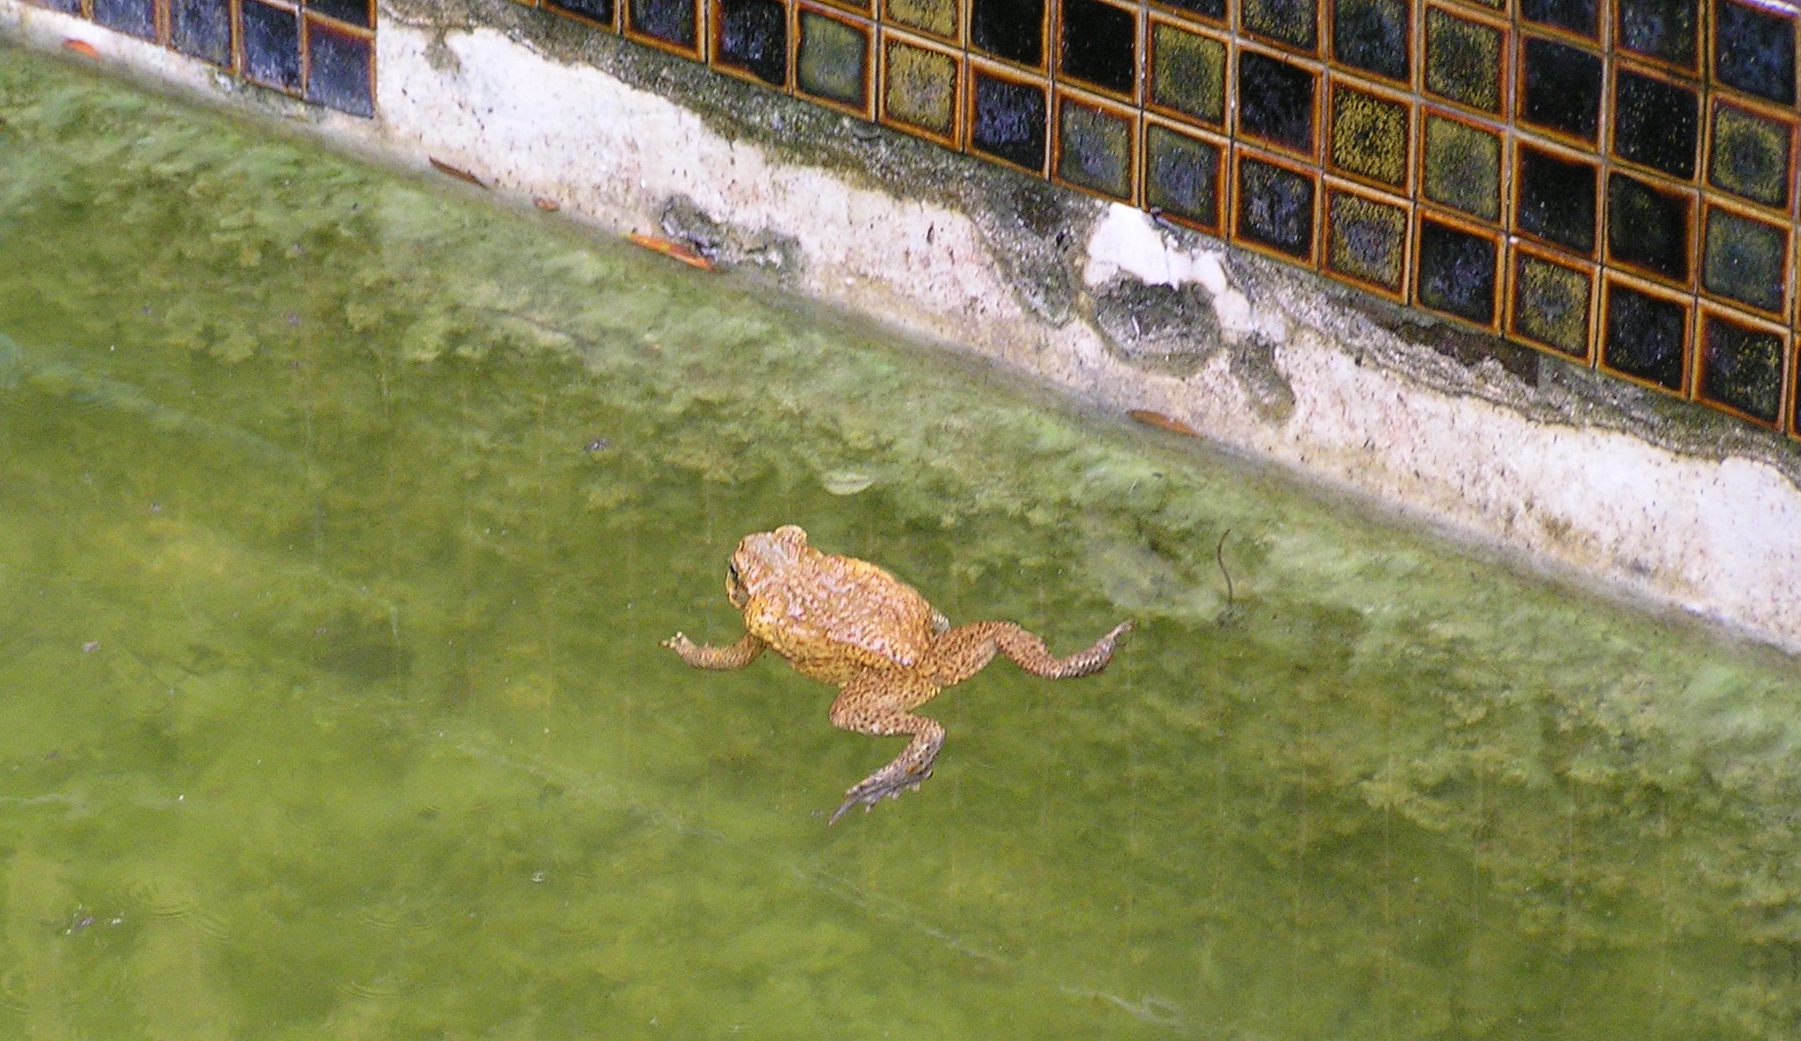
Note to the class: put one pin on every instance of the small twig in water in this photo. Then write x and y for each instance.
(1219, 557)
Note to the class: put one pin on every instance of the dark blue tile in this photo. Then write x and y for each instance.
(1275, 208)
(1100, 44)
(1741, 368)
(202, 29)
(1010, 121)
(1659, 28)
(1649, 227)
(753, 36)
(1010, 29)
(1645, 336)
(1578, 16)
(1456, 272)
(1275, 100)
(136, 17)
(1182, 175)
(1557, 199)
(354, 12)
(271, 41)
(339, 69)
(1656, 123)
(599, 10)
(1754, 50)
(1374, 35)
(671, 21)
(1215, 9)
(1562, 88)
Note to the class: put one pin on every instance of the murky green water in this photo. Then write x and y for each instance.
(339, 522)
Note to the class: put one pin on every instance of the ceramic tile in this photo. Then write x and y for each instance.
(1008, 120)
(1456, 271)
(1099, 45)
(1560, 88)
(673, 24)
(1276, 100)
(1366, 240)
(1649, 227)
(938, 17)
(340, 71)
(1557, 196)
(832, 60)
(1096, 147)
(1369, 135)
(1662, 29)
(1274, 205)
(271, 40)
(1374, 36)
(1212, 10)
(1751, 154)
(360, 13)
(1740, 366)
(1187, 73)
(751, 36)
(1581, 17)
(1645, 335)
(1290, 23)
(1461, 167)
(920, 88)
(1550, 302)
(1656, 123)
(1009, 29)
(601, 12)
(1183, 176)
(202, 29)
(1464, 58)
(1745, 260)
(1754, 50)
(134, 17)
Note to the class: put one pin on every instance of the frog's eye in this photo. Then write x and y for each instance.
(732, 576)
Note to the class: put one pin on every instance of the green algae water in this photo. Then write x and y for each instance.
(340, 519)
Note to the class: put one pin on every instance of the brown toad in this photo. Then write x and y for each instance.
(846, 621)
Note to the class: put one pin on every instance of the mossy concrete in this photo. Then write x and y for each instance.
(1493, 442)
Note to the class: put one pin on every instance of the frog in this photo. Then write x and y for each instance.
(853, 624)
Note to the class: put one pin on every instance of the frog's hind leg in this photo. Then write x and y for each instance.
(878, 703)
(962, 652)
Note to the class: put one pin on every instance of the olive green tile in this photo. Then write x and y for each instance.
(1369, 135)
(1366, 239)
(1188, 73)
(920, 88)
(1743, 259)
(832, 60)
(1095, 150)
(1182, 175)
(1462, 167)
(1463, 60)
(1294, 22)
(1550, 304)
(933, 16)
(1750, 156)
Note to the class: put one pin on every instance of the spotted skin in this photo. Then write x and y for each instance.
(848, 622)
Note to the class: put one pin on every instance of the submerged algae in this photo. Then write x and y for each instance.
(374, 735)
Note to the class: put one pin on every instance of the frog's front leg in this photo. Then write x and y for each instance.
(877, 703)
(737, 656)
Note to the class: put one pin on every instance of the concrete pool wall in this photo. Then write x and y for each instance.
(1494, 442)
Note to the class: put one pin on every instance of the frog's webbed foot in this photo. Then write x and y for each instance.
(877, 704)
(737, 656)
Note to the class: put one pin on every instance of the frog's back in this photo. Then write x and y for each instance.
(838, 616)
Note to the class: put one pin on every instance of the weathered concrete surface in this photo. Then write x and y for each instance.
(1492, 442)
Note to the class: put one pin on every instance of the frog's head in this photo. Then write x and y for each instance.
(763, 559)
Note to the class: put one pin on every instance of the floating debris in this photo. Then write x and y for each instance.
(547, 205)
(599, 444)
(1162, 422)
(81, 47)
(672, 249)
(456, 172)
(846, 482)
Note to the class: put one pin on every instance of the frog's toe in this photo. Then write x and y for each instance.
(886, 783)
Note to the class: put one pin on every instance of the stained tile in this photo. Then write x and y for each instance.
(1187, 73)
(1745, 259)
(1010, 29)
(601, 11)
(1100, 45)
(1461, 167)
(1578, 16)
(1646, 336)
(1370, 135)
(202, 29)
(919, 89)
(831, 60)
(1463, 60)
(1663, 29)
(1182, 175)
(1291, 22)
(1009, 121)
(933, 16)
(1213, 9)
(1375, 36)
(1754, 50)
(1656, 124)
(1456, 272)
(1275, 100)
(1550, 304)
(65, 6)
(1366, 240)
(1095, 147)
(1741, 367)
(1557, 199)
(674, 22)
(1649, 226)
(1275, 207)
(340, 69)
(271, 42)
(752, 36)
(1750, 155)
(136, 17)
(360, 13)
(1560, 87)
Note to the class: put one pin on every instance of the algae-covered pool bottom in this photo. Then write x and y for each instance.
(340, 520)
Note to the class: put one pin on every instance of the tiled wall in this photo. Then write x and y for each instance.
(319, 50)
(1610, 181)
